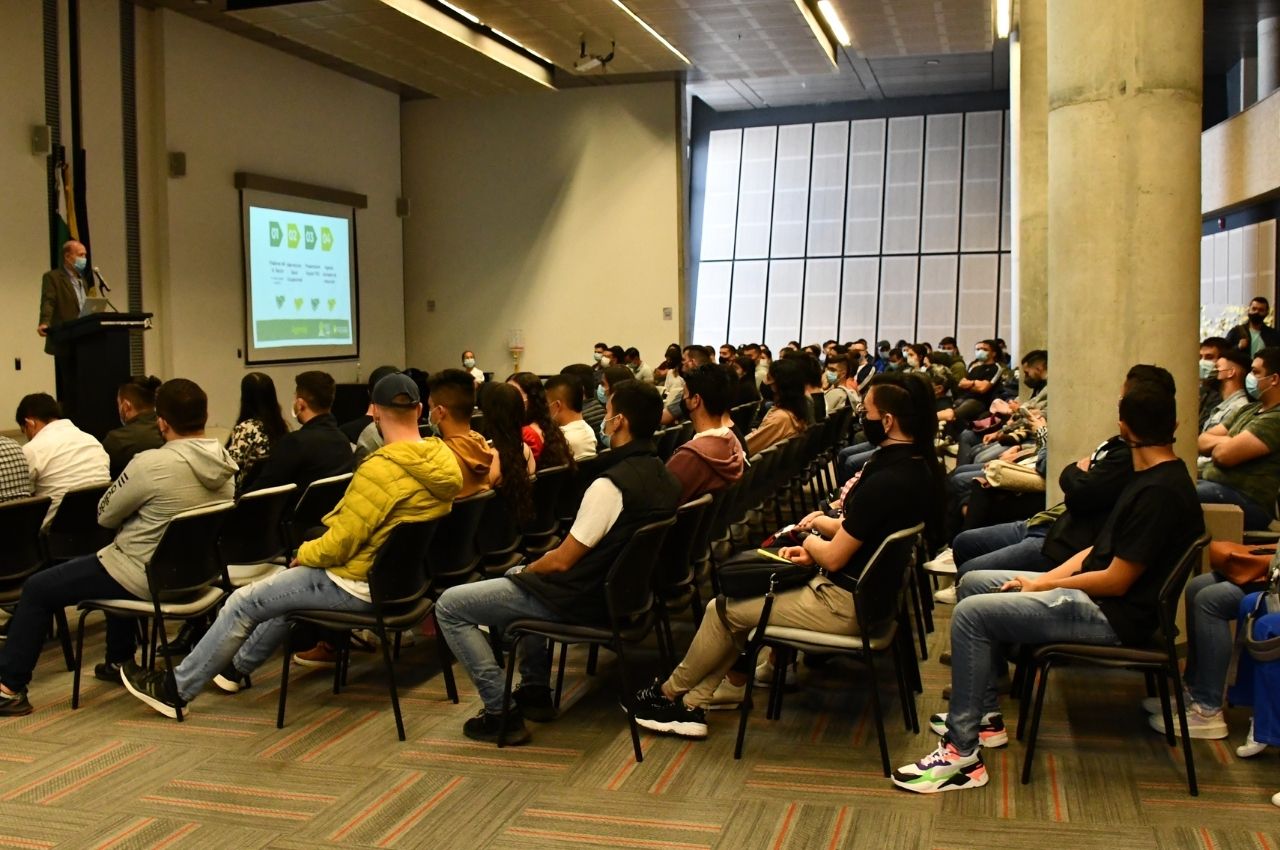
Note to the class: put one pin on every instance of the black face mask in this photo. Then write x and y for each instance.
(1035, 384)
(682, 410)
(873, 429)
(1256, 318)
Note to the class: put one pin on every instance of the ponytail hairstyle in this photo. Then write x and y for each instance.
(908, 398)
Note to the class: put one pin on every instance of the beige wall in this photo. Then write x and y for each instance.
(553, 213)
(231, 105)
(1238, 156)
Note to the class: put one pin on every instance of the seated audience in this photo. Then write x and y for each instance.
(408, 479)
(670, 361)
(637, 366)
(317, 449)
(602, 359)
(727, 354)
(1229, 375)
(1015, 428)
(842, 386)
(353, 429)
(1244, 461)
(15, 477)
(1106, 594)
(543, 436)
(567, 584)
(451, 397)
(745, 390)
(564, 400)
(787, 416)
(469, 363)
(694, 356)
(609, 381)
(259, 427)
(1211, 349)
(190, 470)
(712, 459)
(59, 455)
(592, 407)
(512, 468)
(756, 354)
(899, 488)
(978, 386)
(136, 404)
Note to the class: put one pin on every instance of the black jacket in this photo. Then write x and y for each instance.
(140, 434)
(1089, 498)
(1238, 337)
(316, 450)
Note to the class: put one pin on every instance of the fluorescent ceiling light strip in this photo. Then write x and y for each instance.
(653, 32)
(494, 48)
(463, 12)
(824, 41)
(1004, 17)
(833, 20)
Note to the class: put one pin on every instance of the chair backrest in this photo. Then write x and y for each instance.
(399, 572)
(726, 501)
(629, 588)
(320, 497)
(589, 470)
(187, 559)
(253, 533)
(687, 430)
(877, 589)
(74, 530)
(498, 530)
(546, 499)
(20, 521)
(744, 415)
(453, 556)
(665, 441)
(1171, 590)
(675, 562)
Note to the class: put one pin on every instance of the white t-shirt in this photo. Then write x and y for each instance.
(477, 374)
(581, 439)
(601, 507)
(358, 589)
(62, 457)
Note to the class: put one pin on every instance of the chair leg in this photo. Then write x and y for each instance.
(918, 608)
(64, 637)
(1163, 685)
(391, 680)
(158, 630)
(1192, 787)
(744, 708)
(445, 655)
(1151, 683)
(877, 712)
(284, 676)
(698, 607)
(1035, 721)
(395, 655)
(564, 656)
(1029, 671)
(628, 703)
(506, 691)
(593, 655)
(79, 661)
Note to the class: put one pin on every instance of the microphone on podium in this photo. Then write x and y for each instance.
(102, 284)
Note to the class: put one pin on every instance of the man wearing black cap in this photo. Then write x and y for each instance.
(409, 478)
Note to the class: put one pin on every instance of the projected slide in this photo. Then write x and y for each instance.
(299, 275)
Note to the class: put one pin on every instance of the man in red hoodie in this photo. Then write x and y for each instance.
(714, 458)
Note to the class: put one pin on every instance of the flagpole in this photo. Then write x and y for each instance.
(77, 137)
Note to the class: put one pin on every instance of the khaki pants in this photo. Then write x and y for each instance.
(819, 606)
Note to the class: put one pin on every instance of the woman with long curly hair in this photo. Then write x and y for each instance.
(543, 436)
(513, 462)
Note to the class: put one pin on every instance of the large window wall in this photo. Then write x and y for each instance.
(883, 228)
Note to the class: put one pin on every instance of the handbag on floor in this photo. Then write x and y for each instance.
(747, 575)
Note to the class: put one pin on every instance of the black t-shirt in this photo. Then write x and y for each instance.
(982, 372)
(1154, 520)
(892, 494)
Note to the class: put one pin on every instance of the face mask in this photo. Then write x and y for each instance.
(874, 430)
(682, 409)
(832, 377)
(605, 437)
(1251, 385)
(1036, 384)
(1206, 369)
(598, 356)
(980, 354)
(884, 353)
(79, 263)
(470, 363)
(294, 411)
(600, 395)
(1254, 318)
(634, 367)
(913, 361)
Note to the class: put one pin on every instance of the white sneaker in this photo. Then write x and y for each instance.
(945, 562)
(1151, 705)
(1200, 723)
(1251, 748)
(764, 674)
(727, 696)
(1275, 799)
(946, 596)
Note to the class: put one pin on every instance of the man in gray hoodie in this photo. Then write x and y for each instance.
(188, 471)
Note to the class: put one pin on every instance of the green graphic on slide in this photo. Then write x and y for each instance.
(333, 302)
(309, 237)
(295, 236)
(276, 234)
(326, 239)
(281, 330)
(298, 302)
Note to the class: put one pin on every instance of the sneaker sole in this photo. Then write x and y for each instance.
(163, 708)
(679, 728)
(1197, 733)
(959, 781)
(226, 685)
(990, 741)
(724, 706)
(307, 662)
(514, 738)
(1248, 751)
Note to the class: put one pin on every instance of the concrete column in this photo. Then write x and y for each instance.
(1029, 116)
(1268, 56)
(1125, 91)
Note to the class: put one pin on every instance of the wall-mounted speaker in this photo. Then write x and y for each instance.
(41, 140)
(402, 207)
(177, 164)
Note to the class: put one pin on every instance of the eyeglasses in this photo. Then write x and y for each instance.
(860, 411)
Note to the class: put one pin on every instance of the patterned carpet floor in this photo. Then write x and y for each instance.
(113, 774)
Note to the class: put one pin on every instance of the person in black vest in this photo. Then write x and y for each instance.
(317, 449)
(567, 584)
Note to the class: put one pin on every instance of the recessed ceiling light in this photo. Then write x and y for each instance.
(932, 62)
(1004, 17)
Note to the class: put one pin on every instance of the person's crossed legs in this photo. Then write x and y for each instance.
(1007, 546)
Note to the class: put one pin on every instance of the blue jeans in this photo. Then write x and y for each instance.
(960, 481)
(851, 459)
(252, 624)
(495, 603)
(1007, 546)
(1213, 493)
(984, 621)
(967, 443)
(1212, 605)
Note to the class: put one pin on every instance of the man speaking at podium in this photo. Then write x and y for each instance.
(62, 295)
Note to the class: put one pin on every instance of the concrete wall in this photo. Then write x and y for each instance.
(554, 213)
(1238, 158)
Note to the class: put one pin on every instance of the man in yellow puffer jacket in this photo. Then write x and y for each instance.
(409, 478)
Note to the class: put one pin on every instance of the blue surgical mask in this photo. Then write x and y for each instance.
(1251, 385)
(600, 395)
(605, 437)
(597, 356)
(79, 263)
(470, 363)
(832, 376)
(980, 355)
(1206, 369)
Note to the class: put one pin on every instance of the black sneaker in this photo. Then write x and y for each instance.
(187, 637)
(107, 671)
(535, 703)
(155, 689)
(231, 680)
(484, 727)
(656, 713)
(14, 705)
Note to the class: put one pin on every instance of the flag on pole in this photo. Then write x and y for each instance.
(67, 228)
